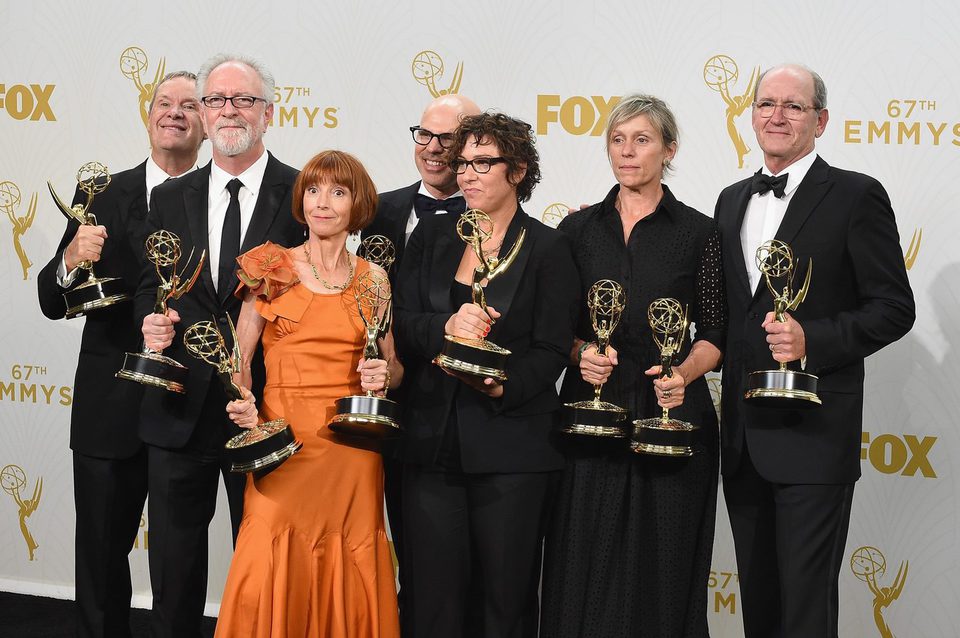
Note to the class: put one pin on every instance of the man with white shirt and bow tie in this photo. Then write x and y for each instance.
(399, 211)
(789, 473)
(437, 192)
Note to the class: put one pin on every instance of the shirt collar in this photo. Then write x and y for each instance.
(795, 172)
(251, 178)
(156, 175)
(423, 191)
(668, 203)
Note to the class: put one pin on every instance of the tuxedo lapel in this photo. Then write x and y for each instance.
(447, 253)
(195, 202)
(730, 229)
(810, 193)
(502, 290)
(271, 195)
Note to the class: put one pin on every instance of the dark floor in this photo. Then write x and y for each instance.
(36, 617)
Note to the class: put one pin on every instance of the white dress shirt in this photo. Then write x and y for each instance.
(218, 199)
(765, 213)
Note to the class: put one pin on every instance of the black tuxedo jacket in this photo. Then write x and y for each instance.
(105, 409)
(180, 206)
(859, 301)
(537, 297)
(393, 212)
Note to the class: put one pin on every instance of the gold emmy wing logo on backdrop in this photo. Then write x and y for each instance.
(869, 565)
(714, 383)
(553, 214)
(133, 64)
(9, 200)
(13, 480)
(428, 69)
(720, 73)
(910, 257)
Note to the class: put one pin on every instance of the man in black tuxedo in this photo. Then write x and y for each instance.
(788, 473)
(238, 201)
(398, 213)
(109, 462)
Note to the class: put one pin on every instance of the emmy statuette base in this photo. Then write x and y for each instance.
(94, 294)
(662, 438)
(262, 449)
(477, 357)
(782, 389)
(367, 416)
(594, 418)
(155, 370)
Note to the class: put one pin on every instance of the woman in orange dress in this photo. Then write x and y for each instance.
(312, 557)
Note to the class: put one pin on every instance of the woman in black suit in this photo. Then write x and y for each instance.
(479, 461)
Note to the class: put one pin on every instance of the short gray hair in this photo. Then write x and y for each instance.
(819, 88)
(169, 76)
(656, 110)
(266, 78)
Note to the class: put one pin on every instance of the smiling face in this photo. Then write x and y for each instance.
(440, 119)
(174, 124)
(326, 208)
(637, 153)
(236, 132)
(491, 192)
(783, 140)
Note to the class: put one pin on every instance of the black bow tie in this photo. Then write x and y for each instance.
(765, 183)
(426, 205)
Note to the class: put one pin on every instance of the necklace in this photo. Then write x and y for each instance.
(494, 250)
(324, 282)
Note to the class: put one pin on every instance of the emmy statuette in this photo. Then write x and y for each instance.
(606, 302)
(479, 357)
(260, 449)
(379, 250)
(368, 414)
(149, 367)
(96, 292)
(663, 436)
(782, 388)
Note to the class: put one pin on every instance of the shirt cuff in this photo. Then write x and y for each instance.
(64, 278)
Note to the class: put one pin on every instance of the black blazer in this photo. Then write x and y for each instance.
(538, 298)
(103, 420)
(393, 212)
(859, 301)
(180, 206)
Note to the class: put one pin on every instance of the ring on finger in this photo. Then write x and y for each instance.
(667, 394)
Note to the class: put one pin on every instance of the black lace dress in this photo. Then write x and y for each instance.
(629, 548)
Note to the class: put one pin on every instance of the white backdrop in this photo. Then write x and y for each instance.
(347, 79)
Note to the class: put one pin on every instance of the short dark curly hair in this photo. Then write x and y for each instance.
(513, 137)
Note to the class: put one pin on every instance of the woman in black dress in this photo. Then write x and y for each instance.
(629, 548)
(479, 461)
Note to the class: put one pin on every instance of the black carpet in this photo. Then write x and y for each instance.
(36, 617)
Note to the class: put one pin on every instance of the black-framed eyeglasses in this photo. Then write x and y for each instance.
(238, 101)
(422, 137)
(479, 164)
(791, 110)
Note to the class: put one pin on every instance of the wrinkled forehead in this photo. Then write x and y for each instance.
(786, 84)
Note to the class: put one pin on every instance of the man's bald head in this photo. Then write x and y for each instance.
(441, 118)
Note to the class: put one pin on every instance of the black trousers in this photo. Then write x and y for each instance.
(472, 547)
(789, 541)
(183, 498)
(108, 495)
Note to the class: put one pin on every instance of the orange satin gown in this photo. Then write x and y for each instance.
(312, 557)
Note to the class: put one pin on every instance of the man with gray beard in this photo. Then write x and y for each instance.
(238, 201)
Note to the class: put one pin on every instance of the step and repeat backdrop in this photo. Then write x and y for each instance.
(76, 78)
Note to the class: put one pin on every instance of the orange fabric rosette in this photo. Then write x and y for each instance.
(267, 271)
